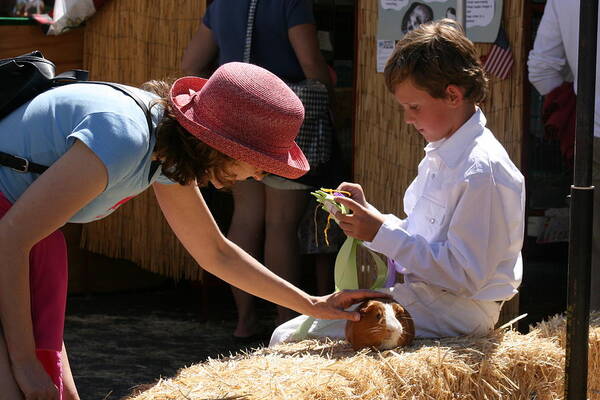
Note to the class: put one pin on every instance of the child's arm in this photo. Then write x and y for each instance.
(361, 223)
(70, 183)
(367, 223)
(478, 256)
(357, 194)
(186, 212)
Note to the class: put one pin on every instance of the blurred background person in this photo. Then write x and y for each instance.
(552, 66)
(266, 214)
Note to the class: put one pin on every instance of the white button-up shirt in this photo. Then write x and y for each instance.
(555, 51)
(465, 224)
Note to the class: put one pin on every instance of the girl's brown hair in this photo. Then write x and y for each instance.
(184, 158)
(435, 55)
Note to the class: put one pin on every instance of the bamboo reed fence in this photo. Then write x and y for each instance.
(132, 42)
(387, 151)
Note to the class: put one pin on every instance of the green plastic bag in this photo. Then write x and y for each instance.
(345, 271)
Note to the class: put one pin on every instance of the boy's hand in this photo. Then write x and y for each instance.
(356, 192)
(362, 223)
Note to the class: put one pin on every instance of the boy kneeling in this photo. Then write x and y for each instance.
(460, 246)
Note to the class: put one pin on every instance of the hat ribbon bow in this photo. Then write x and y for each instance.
(185, 101)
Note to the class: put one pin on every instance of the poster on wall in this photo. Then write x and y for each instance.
(396, 17)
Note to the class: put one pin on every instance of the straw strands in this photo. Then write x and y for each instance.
(555, 328)
(503, 365)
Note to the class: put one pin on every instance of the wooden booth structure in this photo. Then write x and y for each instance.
(132, 42)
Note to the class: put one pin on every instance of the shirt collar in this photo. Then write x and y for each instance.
(451, 149)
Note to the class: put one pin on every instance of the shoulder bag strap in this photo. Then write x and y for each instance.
(76, 76)
(249, 29)
(135, 97)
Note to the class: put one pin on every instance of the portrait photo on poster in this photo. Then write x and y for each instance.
(417, 14)
(397, 17)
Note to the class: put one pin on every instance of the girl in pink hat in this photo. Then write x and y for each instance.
(240, 123)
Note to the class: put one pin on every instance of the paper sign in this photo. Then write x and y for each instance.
(479, 12)
(384, 51)
(393, 4)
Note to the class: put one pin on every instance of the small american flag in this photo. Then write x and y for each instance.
(500, 59)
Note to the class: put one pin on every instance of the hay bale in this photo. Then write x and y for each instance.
(555, 328)
(503, 365)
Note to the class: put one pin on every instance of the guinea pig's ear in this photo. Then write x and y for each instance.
(364, 306)
(401, 313)
(374, 308)
(408, 326)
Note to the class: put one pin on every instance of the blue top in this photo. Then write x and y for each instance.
(271, 48)
(109, 122)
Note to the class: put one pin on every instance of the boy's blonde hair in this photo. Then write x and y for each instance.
(435, 55)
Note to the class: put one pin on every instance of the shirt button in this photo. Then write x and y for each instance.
(432, 220)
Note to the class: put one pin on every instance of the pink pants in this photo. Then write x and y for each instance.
(48, 286)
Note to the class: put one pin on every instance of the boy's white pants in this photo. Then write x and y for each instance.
(435, 313)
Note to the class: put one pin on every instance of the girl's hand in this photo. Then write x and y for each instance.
(34, 382)
(361, 223)
(332, 306)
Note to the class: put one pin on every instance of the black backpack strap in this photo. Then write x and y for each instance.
(20, 164)
(72, 75)
(140, 103)
(80, 76)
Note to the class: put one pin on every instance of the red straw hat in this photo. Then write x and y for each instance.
(245, 112)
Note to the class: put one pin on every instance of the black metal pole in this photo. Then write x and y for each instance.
(582, 196)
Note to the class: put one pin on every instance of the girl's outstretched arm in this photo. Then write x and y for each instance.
(192, 222)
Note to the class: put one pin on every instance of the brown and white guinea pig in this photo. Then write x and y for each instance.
(384, 324)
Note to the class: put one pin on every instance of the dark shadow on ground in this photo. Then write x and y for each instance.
(118, 341)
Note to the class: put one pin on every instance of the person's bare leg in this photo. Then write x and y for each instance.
(247, 231)
(69, 388)
(8, 386)
(284, 209)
